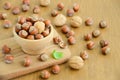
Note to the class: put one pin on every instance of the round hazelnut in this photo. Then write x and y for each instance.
(34, 18)
(39, 36)
(76, 21)
(70, 12)
(47, 22)
(7, 5)
(16, 10)
(84, 55)
(88, 37)
(46, 32)
(56, 40)
(90, 45)
(30, 37)
(23, 33)
(3, 16)
(25, 26)
(27, 2)
(70, 33)
(60, 6)
(33, 30)
(40, 26)
(6, 49)
(89, 22)
(43, 57)
(60, 20)
(103, 24)
(71, 40)
(55, 69)
(18, 27)
(65, 29)
(27, 61)
(36, 10)
(9, 59)
(45, 74)
(25, 7)
(44, 2)
(106, 50)
(62, 45)
(7, 24)
(104, 43)
(76, 62)
(21, 19)
(76, 7)
(54, 13)
(96, 33)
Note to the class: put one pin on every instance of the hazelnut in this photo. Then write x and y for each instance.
(34, 18)
(45, 74)
(88, 37)
(76, 62)
(70, 33)
(106, 50)
(56, 40)
(44, 2)
(29, 23)
(7, 24)
(65, 29)
(9, 59)
(47, 22)
(21, 19)
(104, 43)
(76, 21)
(103, 24)
(96, 33)
(30, 37)
(71, 40)
(40, 26)
(46, 32)
(25, 7)
(33, 30)
(84, 55)
(55, 69)
(90, 45)
(62, 45)
(27, 61)
(54, 13)
(7, 6)
(76, 7)
(60, 20)
(60, 6)
(70, 12)
(89, 22)
(36, 10)
(23, 33)
(43, 57)
(3, 16)
(39, 36)
(6, 49)
(27, 2)
(16, 10)
(25, 26)
(18, 27)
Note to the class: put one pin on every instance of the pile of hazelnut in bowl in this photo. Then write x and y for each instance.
(33, 31)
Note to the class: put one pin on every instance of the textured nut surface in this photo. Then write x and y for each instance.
(54, 13)
(76, 7)
(60, 6)
(84, 55)
(40, 26)
(16, 10)
(30, 37)
(3, 16)
(21, 19)
(23, 33)
(44, 2)
(103, 24)
(47, 22)
(9, 59)
(96, 33)
(55, 69)
(43, 57)
(27, 2)
(45, 74)
(70, 33)
(65, 29)
(89, 21)
(6, 49)
(7, 5)
(36, 9)
(18, 27)
(46, 32)
(70, 12)
(56, 40)
(25, 7)
(71, 40)
(25, 26)
(106, 50)
(39, 36)
(33, 30)
(62, 45)
(104, 43)
(27, 61)
(90, 45)
(76, 62)
(60, 20)
(88, 37)
(7, 24)
(76, 21)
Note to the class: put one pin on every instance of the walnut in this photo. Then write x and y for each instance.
(44, 2)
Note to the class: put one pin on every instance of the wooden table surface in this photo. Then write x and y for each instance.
(98, 66)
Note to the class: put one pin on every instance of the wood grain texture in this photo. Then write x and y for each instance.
(98, 66)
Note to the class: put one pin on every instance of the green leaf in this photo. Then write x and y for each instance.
(57, 55)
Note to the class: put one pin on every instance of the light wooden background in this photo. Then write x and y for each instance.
(98, 66)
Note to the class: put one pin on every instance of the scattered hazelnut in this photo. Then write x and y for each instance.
(23, 33)
(54, 13)
(30, 37)
(60, 20)
(43, 57)
(71, 40)
(9, 59)
(7, 6)
(88, 37)
(60, 6)
(27, 2)
(70, 33)
(16, 10)
(3, 16)
(76, 21)
(70, 12)
(106, 50)
(55, 69)
(36, 10)
(90, 45)
(96, 33)
(25, 7)
(18, 27)
(6, 49)
(39, 36)
(21, 19)
(56, 40)
(76, 7)
(44, 2)
(46, 32)
(65, 29)
(25, 26)
(104, 43)
(40, 26)
(27, 61)
(89, 22)
(62, 45)
(33, 30)
(45, 74)
(7, 24)
(76, 62)
(47, 22)
(84, 55)
(103, 24)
